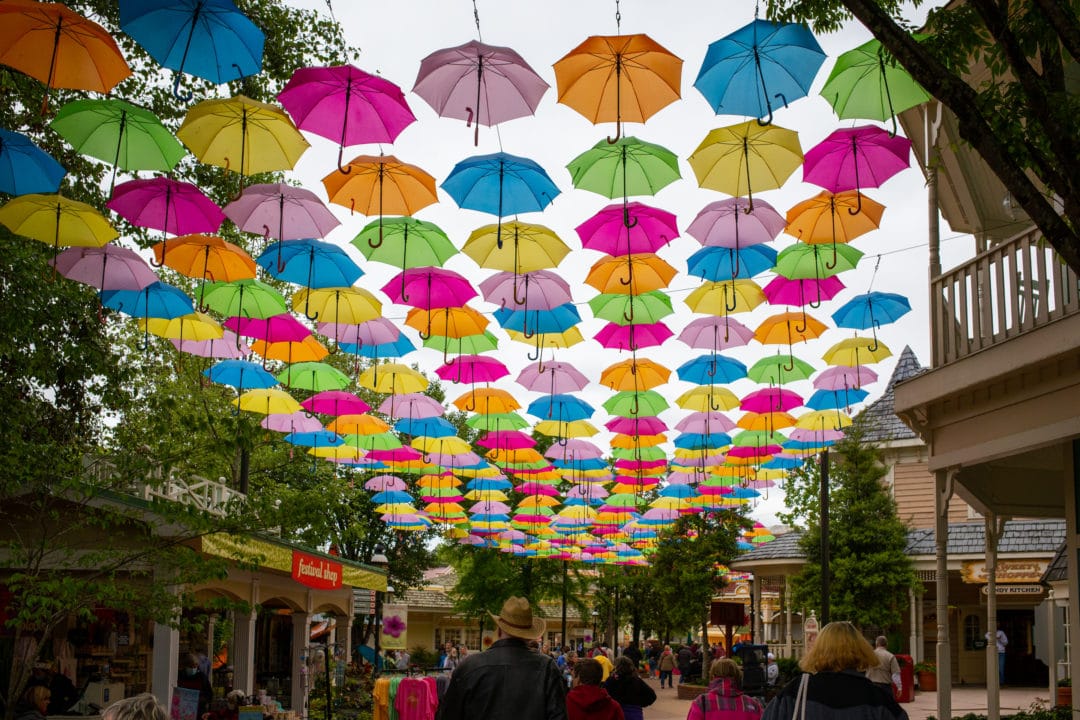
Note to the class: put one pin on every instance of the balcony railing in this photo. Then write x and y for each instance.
(206, 495)
(1011, 289)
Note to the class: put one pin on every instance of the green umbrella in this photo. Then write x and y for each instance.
(622, 500)
(645, 453)
(241, 298)
(631, 403)
(867, 84)
(497, 421)
(648, 307)
(779, 369)
(757, 438)
(416, 243)
(467, 345)
(120, 133)
(814, 262)
(377, 441)
(626, 167)
(315, 376)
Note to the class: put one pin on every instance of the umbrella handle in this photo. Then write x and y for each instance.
(714, 408)
(835, 260)
(858, 203)
(185, 97)
(343, 169)
(164, 248)
(523, 300)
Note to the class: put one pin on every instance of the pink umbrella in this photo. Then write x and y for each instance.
(401, 454)
(472, 369)
(479, 83)
(347, 105)
(784, 291)
(716, 333)
(683, 477)
(458, 460)
(644, 425)
(412, 405)
(804, 435)
(335, 402)
(587, 491)
(283, 212)
(856, 158)
(754, 451)
(647, 230)
(109, 267)
(735, 223)
(705, 423)
(639, 464)
(299, 422)
(371, 332)
(771, 399)
(227, 347)
(554, 378)
(535, 488)
(384, 483)
(633, 337)
(506, 440)
(174, 207)
(577, 448)
(842, 378)
(429, 288)
(542, 290)
(276, 328)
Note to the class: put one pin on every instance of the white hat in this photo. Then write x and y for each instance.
(771, 656)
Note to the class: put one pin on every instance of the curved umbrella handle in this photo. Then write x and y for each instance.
(343, 169)
(712, 406)
(829, 265)
(185, 97)
(735, 300)
(153, 261)
(522, 300)
(618, 133)
(858, 199)
(629, 318)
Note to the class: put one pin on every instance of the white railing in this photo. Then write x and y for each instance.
(209, 496)
(1011, 289)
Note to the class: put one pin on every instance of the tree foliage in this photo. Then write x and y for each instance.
(1022, 116)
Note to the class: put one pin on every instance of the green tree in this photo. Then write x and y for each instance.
(870, 574)
(1023, 118)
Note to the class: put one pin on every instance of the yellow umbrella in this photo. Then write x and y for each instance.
(532, 501)
(269, 401)
(565, 339)
(497, 495)
(57, 221)
(669, 503)
(342, 305)
(726, 297)
(392, 379)
(450, 445)
(823, 420)
(518, 248)
(856, 351)
(307, 350)
(575, 429)
(747, 157)
(488, 472)
(193, 326)
(521, 455)
(395, 509)
(242, 135)
(634, 374)
(341, 453)
(708, 398)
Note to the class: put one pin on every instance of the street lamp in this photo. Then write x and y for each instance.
(595, 615)
(379, 560)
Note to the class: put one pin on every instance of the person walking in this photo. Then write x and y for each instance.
(628, 689)
(833, 685)
(507, 681)
(666, 665)
(887, 672)
(586, 699)
(724, 699)
(683, 659)
(1002, 641)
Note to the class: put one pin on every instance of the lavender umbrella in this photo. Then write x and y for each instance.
(109, 267)
(227, 347)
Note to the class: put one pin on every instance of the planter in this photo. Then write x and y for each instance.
(927, 681)
(689, 692)
(1064, 696)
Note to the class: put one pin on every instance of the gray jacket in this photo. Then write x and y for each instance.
(508, 681)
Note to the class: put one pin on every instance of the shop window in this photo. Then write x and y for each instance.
(472, 639)
(974, 637)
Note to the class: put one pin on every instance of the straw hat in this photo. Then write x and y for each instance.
(516, 619)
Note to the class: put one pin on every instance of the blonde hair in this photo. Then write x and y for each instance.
(839, 646)
(138, 707)
(36, 694)
(725, 667)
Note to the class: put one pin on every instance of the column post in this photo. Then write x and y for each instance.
(789, 649)
(993, 524)
(943, 490)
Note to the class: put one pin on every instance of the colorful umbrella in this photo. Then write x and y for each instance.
(746, 71)
(210, 39)
(631, 403)
(174, 207)
(871, 311)
(314, 376)
(542, 289)
(289, 351)
(718, 263)
(109, 267)
(194, 326)
(338, 305)
(723, 298)
(534, 247)
(472, 369)
(854, 158)
(631, 228)
(744, 158)
(430, 246)
(634, 374)
(552, 378)
(280, 211)
(625, 167)
(648, 307)
(273, 328)
(634, 336)
(480, 83)
(228, 347)
(240, 374)
(834, 217)
(370, 332)
(412, 406)
(157, 300)
(429, 288)
(789, 328)
(630, 275)
(347, 105)
(268, 401)
(617, 78)
(784, 291)
(452, 322)
(814, 262)
(853, 352)
(380, 185)
(713, 334)
(206, 257)
(840, 378)
(242, 298)
(26, 168)
(392, 379)
(57, 221)
(778, 370)
(711, 370)
(337, 402)
(310, 263)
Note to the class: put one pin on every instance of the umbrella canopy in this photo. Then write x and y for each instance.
(718, 263)
(725, 297)
(26, 168)
(839, 378)
(814, 262)
(337, 402)
(618, 78)
(855, 158)
(194, 326)
(500, 184)
(284, 212)
(157, 300)
(242, 299)
(429, 288)
(871, 310)
(834, 217)
(487, 401)
(454, 322)
(268, 401)
(109, 267)
(472, 369)
(630, 228)
(788, 328)
(161, 203)
(515, 247)
(414, 243)
(632, 274)
(744, 158)
(711, 370)
(634, 374)
(634, 336)
(412, 405)
(785, 291)
(207, 257)
(274, 328)
(552, 378)
(853, 352)
(380, 185)
(338, 305)
(240, 374)
(565, 408)
(392, 379)
(57, 221)
(779, 369)
(631, 403)
(542, 290)
(626, 167)
(713, 333)
(315, 376)
(736, 223)
(648, 307)
(291, 351)
(759, 67)
(228, 347)
(310, 263)
(210, 39)
(480, 83)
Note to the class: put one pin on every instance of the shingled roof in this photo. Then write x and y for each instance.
(1058, 569)
(879, 418)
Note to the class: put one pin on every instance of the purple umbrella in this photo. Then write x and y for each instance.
(458, 460)
(109, 267)
(477, 82)
(736, 222)
(283, 212)
(552, 378)
(647, 230)
(842, 378)
(347, 105)
(335, 402)
(544, 290)
(161, 203)
(580, 449)
(634, 336)
(705, 423)
(413, 405)
(855, 158)
(804, 435)
(227, 347)
(370, 332)
(716, 333)
(299, 422)
(384, 483)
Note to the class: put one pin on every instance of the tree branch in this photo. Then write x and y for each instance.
(1065, 22)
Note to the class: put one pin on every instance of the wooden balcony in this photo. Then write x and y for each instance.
(207, 495)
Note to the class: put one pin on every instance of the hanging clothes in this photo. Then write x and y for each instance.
(395, 683)
(381, 696)
(414, 700)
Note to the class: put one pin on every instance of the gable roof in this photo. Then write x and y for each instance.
(879, 418)
(1058, 570)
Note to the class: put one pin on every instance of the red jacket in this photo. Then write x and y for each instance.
(591, 702)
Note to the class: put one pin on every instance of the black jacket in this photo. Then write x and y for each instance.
(629, 690)
(508, 681)
(836, 696)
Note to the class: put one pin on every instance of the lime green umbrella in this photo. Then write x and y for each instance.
(757, 438)
(648, 307)
(412, 243)
(622, 500)
(241, 298)
(645, 453)
(626, 167)
(779, 369)
(866, 83)
(497, 421)
(466, 345)
(631, 403)
(120, 133)
(315, 376)
(814, 262)
(375, 441)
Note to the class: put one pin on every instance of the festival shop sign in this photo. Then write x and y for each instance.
(315, 572)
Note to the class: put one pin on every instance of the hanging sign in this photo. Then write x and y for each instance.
(315, 572)
(395, 626)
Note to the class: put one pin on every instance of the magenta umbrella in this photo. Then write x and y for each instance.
(280, 211)
(413, 405)
(227, 347)
(335, 402)
(785, 291)
(645, 425)
(633, 337)
(109, 267)
(856, 158)
(347, 105)
(553, 378)
(705, 423)
(298, 421)
(647, 230)
(485, 84)
(161, 203)
(472, 369)
(770, 400)
(429, 288)
(376, 331)
(843, 378)
(544, 290)
(535, 488)
(506, 440)
(276, 328)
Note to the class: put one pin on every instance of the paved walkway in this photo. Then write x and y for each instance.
(965, 700)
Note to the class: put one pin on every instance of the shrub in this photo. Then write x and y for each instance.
(422, 657)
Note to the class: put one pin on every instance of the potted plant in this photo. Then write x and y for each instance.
(926, 672)
(1064, 692)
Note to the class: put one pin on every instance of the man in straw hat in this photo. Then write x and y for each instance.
(508, 681)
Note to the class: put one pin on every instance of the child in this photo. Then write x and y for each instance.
(586, 699)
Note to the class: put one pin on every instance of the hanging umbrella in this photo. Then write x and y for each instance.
(157, 300)
(380, 185)
(868, 84)
(290, 351)
(633, 337)
(705, 422)
(392, 379)
(744, 158)
(429, 288)
(856, 158)
(778, 370)
(814, 262)
(174, 207)
(630, 403)
(834, 217)
(552, 378)
(26, 168)
(543, 290)
(487, 401)
(714, 334)
(870, 311)
(711, 370)
(517, 247)
(338, 305)
(429, 245)
(57, 221)
(314, 376)
(268, 401)
(242, 135)
(228, 347)
(736, 223)
(634, 374)
(452, 322)
(723, 298)
(718, 263)
(747, 71)
(310, 263)
(648, 307)
(51, 43)
(770, 400)
(784, 291)
(840, 377)
(707, 398)
(242, 298)
(240, 374)
(466, 345)
(280, 211)
(500, 184)
(563, 407)
(625, 167)
(789, 328)
(472, 369)
(485, 84)
(347, 105)
(291, 422)
(125, 135)
(853, 352)
(836, 399)
(633, 228)
(194, 326)
(376, 331)
(618, 78)
(210, 39)
(206, 257)
(336, 402)
(630, 275)
(273, 328)
(109, 267)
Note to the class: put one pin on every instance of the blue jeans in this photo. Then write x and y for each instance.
(1001, 668)
(665, 674)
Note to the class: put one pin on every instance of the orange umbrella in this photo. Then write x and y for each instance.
(788, 328)
(634, 374)
(630, 274)
(620, 77)
(206, 256)
(487, 401)
(455, 322)
(59, 47)
(307, 350)
(357, 425)
(766, 421)
(380, 185)
(834, 218)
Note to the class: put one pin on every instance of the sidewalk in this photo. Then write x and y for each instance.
(968, 699)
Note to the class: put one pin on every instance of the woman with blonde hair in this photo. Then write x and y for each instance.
(833, 685)
(724, 700)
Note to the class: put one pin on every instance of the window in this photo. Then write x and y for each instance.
(974, 638)
(472, 638)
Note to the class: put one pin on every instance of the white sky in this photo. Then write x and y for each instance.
(395, 36)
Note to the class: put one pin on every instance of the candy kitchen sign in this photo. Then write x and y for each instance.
(1008, 571)
(315, 572)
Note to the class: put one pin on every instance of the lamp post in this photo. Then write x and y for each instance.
(595, 614)
(378, 559)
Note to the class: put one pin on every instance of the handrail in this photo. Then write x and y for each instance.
(207, 495)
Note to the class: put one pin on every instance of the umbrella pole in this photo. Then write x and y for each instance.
(307, 296)
(345, 170)
(735, 270)
(187, 46)
(628, 222)
(858, 194)
(119, 144)
(498, 227)
(749, 188)
(519, 301)
(479, 87)
(52, 65)
(764, 88)
(618, 100)
(888, 95)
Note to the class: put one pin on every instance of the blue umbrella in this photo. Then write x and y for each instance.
(711, 369)
(392, 496)
(489, 484)
(25, 168)
(577, 464)
(719, 264)
(500, 184)
(835, 399)
(782, 463)
(538, 322)
(241, 374)
(210, 39)
(435, 427)
(678, 491)
(158, 300)
(871, 310)
(746, 72)
(701, 441)
(566, 408)
(311, 263)
(396, 348)
(317, 438)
